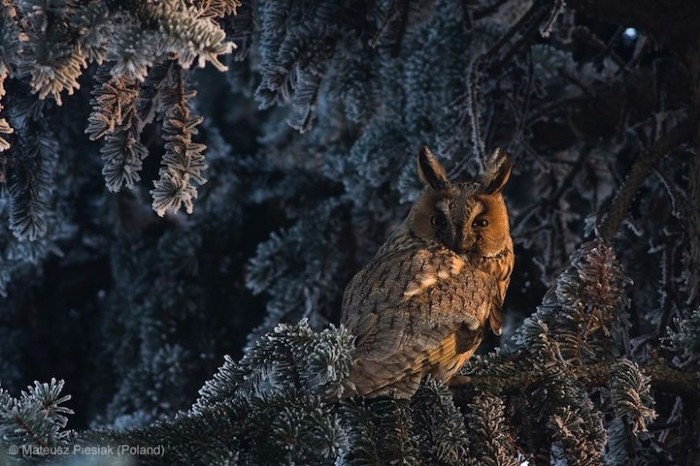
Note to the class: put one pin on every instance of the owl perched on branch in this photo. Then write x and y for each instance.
(422, 304)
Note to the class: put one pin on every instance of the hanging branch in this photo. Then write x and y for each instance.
(5, 128)
(641, 169)
(526, 28)
(9, 50)
(392, 26)
(183, 162)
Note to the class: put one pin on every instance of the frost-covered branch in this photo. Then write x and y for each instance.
(641, 169)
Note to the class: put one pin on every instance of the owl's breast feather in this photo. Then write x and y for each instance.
(433, 267)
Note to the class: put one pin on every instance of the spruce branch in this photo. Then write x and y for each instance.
(217, 8)
(473, 104)
(630, 392)
(391, 27)
(10, 38)
(523, 31)
(183, 161)
(116, 117)
(295, 72)
(557, 9)
(440, 430)
(9, 52)
(30, 183)
(191, 33)
(579, 436)
(492, 60)
(132, 49)
(639, 172)
(684, 340)
(584, 312)
(113, 105)
(123, 155)
(55, 43)
(492, 443)
(378, 432)
(93, 25)
(288, 358)
(252, 409)
(37, 417)
(5, 128)
(49, 52)
(693, 216)
(664, 378)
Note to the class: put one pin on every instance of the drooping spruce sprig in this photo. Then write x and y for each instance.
(116, 117)
(183, 161)
(5, 129)
(9, 48)
(53, 43)
(630, 393)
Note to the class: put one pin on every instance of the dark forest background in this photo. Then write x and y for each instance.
(180, 177)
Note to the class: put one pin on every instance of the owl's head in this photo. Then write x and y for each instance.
(468, 217)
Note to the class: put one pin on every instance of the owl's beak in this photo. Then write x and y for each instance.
(464, 242)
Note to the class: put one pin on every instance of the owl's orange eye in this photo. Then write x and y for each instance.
(437, 220)
(481, 222)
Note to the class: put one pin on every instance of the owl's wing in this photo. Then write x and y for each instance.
(425, 321)
(496, 315)
(411, 305)
(501, 270)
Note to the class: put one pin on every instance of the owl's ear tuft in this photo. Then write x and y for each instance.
(430, 171)
(497, 172)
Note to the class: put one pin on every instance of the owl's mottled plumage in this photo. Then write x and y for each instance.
(422, 303)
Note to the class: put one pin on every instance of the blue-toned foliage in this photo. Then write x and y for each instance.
(155, 217)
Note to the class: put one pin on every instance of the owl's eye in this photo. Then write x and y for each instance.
(437, 220)
(481, 222)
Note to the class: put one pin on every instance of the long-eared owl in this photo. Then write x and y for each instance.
(422, 304)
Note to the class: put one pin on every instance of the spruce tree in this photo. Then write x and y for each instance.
(186, 187)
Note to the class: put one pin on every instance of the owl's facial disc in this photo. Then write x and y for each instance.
(465, 210)
(467, 237)
(443, 222)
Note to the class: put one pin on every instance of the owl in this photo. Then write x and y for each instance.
(426, 300)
